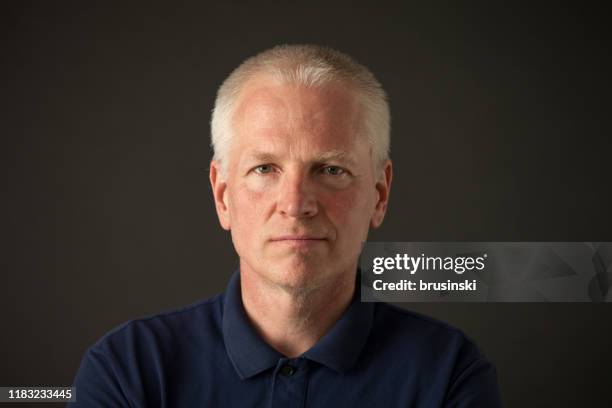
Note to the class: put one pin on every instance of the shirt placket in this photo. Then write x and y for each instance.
(289, 383)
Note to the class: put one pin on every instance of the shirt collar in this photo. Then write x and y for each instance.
(339, 349)
(247, 351)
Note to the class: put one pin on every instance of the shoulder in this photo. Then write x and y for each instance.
(154, 333)
(130, 361)
(440, 353)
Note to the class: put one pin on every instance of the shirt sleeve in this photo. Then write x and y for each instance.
(96, 385)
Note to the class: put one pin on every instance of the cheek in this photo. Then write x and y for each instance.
(246, 203)
(244, 209)
(349, 209)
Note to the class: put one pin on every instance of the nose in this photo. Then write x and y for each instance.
(296, 197)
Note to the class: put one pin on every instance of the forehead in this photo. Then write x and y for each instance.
(290, 113)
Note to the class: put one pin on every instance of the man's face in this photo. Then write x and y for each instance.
(300, 191)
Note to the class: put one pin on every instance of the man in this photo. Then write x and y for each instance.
(300, 173)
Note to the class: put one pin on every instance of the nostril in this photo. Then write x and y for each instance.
(298, 206)
(296, 197)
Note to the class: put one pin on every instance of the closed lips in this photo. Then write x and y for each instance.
(297, 238)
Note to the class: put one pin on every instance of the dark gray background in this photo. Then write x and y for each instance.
(501, 126)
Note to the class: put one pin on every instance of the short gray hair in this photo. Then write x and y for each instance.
(309, 65)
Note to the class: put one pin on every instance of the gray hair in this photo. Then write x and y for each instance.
(308, 65)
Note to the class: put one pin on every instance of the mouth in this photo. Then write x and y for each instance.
(296, 238)
(298, 241)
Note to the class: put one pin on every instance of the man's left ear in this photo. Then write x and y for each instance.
(383, 188)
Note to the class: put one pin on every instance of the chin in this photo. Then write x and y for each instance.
(300, 277)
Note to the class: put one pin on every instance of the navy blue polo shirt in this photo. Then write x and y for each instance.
(209, 355)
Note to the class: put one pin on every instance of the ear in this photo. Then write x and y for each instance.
(383, 189)
(219, 188)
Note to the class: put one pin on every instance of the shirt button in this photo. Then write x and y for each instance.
(287, 370)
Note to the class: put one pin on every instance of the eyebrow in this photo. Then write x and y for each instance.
(335, 155)
(324, 157)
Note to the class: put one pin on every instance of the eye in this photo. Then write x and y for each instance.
(263, 169)
(333, 170)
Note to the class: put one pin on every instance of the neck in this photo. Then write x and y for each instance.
(293, 320)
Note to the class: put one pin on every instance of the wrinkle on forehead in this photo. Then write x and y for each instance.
(290, 109)
(293, 122)
(261, 109)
